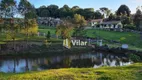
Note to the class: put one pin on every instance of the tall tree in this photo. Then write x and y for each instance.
(53, 10)
(105, 11)
(79, 22)
(98, 15)
(111, 17)
(122, 10)
(8, 7)
(28, 12)
(65, 11)
(42, 11)
(126, 20)
(25, 8)
(80, 11)
(75, 8)
(64, 29)
(88, 13)
(138, 18)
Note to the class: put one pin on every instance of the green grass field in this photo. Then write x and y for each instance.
(132, 39)
(132, 72)
(52, 31)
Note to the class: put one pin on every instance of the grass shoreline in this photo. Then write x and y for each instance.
(131, 72)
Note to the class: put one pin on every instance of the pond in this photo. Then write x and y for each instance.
(87, 60)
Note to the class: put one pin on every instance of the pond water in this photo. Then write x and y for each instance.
(88, 60)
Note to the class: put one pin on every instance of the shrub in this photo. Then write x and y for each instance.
(48, 35)
(130, 26)
(122, 38)
(134, 57)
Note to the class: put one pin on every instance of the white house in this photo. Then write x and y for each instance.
(110, 25)
(95, 22)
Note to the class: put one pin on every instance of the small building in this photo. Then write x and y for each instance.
(95, 22)
(108, 25)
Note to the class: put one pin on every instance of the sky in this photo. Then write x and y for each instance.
(96, 4)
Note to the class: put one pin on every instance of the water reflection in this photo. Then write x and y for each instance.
(94, 60)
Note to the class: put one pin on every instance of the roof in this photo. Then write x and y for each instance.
(111, 22)
(96, 20)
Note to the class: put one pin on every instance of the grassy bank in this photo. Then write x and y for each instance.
(132, 72)
(133, 39)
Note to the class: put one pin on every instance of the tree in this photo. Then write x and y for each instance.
(28, 11)
(138, 18)
(48, 35)
(111, 17)
(122, 10)
(65, 11)
(75, 8)
(88, 13)
(30, 15)
(106, 12)
(126, 20)
(79, 22)
(53, 10)
(80, 11)
(24, 7)
(64, 29)
(44, 13)
(30, 28)
(98, 15)
(8, 7)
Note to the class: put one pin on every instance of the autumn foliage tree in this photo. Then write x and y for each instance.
(64, 29)
(79, 22)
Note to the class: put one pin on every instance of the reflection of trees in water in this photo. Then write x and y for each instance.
(81, 63)
(14, 69)
(56, 63)
(15, 63)
(108, 60)
(27, 65)
(84, 60)
(0, 63)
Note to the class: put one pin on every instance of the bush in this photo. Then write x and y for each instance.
(130, 26)
(48, 35)
(134, 57)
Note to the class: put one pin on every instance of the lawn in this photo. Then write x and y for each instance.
(131, 72)
(133, 39)
(4, 39)
(52, 31)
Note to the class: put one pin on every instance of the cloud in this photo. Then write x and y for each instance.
(136, 1)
